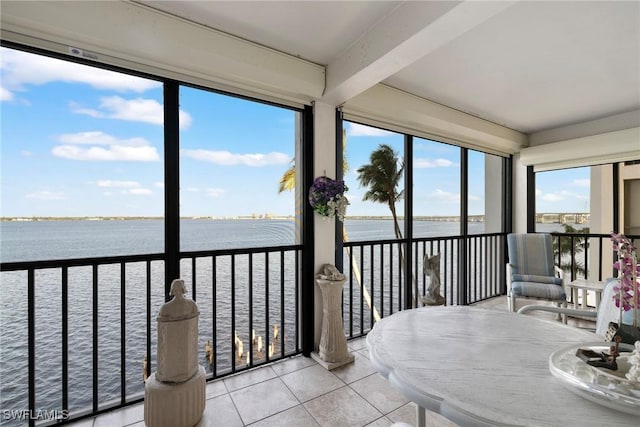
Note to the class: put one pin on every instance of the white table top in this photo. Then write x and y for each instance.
(484, 367)
(591, 285)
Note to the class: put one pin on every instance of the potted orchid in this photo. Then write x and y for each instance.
(326, 197)
(627, 289)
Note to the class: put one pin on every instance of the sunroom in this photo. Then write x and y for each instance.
(489, 109)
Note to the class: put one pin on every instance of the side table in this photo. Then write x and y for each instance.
(584, 285)
(333, 351)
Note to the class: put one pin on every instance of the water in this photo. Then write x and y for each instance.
(42, 240)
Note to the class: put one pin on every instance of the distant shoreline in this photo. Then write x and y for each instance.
(209, 218)
(449, 218)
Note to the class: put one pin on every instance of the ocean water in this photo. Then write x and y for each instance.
(43, 240)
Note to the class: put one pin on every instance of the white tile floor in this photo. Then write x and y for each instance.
(295, 392)
(299, 392)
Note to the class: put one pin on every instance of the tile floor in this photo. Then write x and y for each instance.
(299, 392)
(295, 392)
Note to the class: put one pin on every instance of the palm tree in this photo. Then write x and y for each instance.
(382, 176)
(288, 178)
(566, 247)
(288, 183)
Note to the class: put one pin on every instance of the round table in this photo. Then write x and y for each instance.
(483, 367)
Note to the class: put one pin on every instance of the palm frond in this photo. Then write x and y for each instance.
(288, 179)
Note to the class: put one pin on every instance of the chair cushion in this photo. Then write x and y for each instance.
(531, 254)
(538, 290)
(536, 279)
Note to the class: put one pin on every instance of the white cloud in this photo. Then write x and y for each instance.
(356, 129)
(428, 163)
(26, 153)
(552, 197)
(444, 196)
(113, 153)
(21, 69)
(134, 110)
(118, 184)
(215, 192)
(159, 184)
(5, 95)
(227, 158)
(133, 149)
(193, 190)
(46, 195)
(100, 138)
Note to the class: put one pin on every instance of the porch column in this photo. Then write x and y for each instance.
(324, 155)
(519, 195)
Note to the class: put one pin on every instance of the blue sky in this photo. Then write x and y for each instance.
(80, 141)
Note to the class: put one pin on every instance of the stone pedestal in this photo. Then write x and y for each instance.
(333, 350)
(174, 404)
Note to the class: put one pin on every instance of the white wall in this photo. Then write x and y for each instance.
(492, 194)
(519, 195)
(630, 195)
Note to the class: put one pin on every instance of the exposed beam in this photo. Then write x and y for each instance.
(411, 31)
(609, 147)
(393, 109)
(144, 39)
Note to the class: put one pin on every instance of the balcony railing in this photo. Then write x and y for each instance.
(75, 333)
(376, 279)
(79, 335)
(586, 256)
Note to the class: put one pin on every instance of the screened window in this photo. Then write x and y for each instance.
(81, 160)
(233, 155)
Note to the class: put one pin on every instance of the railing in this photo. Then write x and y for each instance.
(376, 280)
(586, 255)
(89, 323)
(77, 333)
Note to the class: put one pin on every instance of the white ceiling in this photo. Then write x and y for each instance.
(529, 65)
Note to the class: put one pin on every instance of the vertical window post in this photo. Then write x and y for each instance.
(339, 263)
(531, 200)
(408, 222)
(171, 184)
(464, 226)
(308, 253)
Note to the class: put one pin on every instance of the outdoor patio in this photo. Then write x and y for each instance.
(299, 392)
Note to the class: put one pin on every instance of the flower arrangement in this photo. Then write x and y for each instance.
(627, 289)
(326, 197)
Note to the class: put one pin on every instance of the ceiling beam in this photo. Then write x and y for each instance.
(144, 39)
(411, 31)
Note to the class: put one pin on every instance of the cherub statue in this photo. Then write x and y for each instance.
(431, 265)
(330, 272)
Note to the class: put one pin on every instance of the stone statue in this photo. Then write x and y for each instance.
(330, 272)
(174, 395)
(431, 266)
(179, 308)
